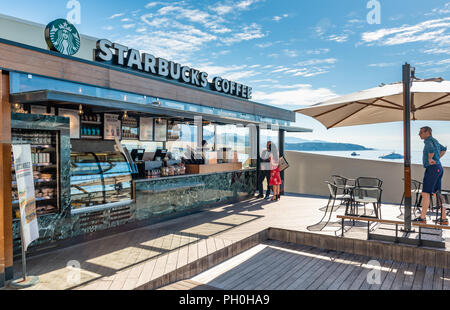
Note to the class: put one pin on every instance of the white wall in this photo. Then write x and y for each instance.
(308, 172)
(33, 34)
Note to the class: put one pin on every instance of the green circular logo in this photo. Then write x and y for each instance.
(63, 37)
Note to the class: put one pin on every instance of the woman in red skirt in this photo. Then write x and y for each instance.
(275, 176)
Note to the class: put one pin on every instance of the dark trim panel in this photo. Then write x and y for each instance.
(260, 109)
(54, 96)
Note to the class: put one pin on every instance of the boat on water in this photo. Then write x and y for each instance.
(355, 154)
(393, 155)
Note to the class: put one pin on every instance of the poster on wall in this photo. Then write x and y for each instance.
(112, 127)
(74, 122)
(25, 188)
(146, 129)
(161, 130)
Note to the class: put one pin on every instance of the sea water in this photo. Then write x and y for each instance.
(416, 156)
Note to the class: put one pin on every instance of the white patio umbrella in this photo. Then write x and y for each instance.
(425, 99)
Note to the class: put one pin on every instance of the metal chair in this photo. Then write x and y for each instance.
(343, 188)
(366, 191)
(416, 191)
(334, 196)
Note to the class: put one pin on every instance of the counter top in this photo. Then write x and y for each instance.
(189, 176)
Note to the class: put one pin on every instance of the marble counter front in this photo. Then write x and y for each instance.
(166, 196)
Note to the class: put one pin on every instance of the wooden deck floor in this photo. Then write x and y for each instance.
(279, 266)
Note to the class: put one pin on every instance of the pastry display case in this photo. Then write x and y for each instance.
(45, 158)
(99, 181)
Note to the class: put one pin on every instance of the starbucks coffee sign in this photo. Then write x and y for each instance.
(121, 55)
(62, 37)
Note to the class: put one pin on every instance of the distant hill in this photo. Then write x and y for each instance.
(325, 146)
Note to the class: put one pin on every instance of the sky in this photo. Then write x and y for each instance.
(293, 53)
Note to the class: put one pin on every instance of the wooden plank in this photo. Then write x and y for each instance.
(349, 269)
(361, 279)
(211, 245)
(385, 265)
(399, 277)
(446, 285)
(360, 260)
(419, 277)
(253, 266)
(428, 279)
(285, 275)
(258, 279)
(438, 281)
(409, 277)
(252, 269)
(310, 275)
(307, 264)
(389, 280)
(338, 265)
(366, 219)
(432, 226)
(267, 281)
(228, 265)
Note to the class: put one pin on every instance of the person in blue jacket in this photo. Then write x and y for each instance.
(432, 181)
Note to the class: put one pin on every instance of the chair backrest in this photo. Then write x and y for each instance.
(332, 188)
(416, 185)
(371, 192)
(339, 180)
(368, 182)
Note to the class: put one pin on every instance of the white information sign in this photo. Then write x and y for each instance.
(25, 187)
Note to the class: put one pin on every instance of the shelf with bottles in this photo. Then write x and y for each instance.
(91, 132)
(130, 128)
(91, 119)
(173, 131)
(37, 139)
(91, 127)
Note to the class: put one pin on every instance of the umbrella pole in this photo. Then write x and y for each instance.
(407, 143)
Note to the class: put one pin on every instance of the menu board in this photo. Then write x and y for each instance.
(146, 129)
(112, 127)
(74, 122)
(161, 130)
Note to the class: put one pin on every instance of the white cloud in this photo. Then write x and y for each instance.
(222, 9)
(128, 26)
(254, 31)
(318, 51)
(437, 51)
(233, 73)
(338, 38)
(312, 62)
(264, 45)
(125, 20)
(383, 65)
(290, 53)
(278, 18)
(116, 15)
(108, 28)
(431, 30)
(296, 96)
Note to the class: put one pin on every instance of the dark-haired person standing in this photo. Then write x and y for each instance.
(265, 171)
(432, 181)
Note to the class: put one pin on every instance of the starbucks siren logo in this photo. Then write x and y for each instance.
(63, 37)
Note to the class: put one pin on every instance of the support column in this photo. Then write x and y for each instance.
(407, 143)
(6, 241)
(281, 139)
